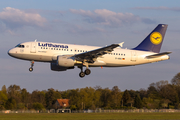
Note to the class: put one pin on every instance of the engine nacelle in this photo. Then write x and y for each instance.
(65, 61)
(56, 67)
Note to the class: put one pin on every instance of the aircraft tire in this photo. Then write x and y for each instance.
(81, 74)
(30, 69)
(87, 71)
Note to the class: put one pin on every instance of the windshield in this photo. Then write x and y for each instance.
(19, 45)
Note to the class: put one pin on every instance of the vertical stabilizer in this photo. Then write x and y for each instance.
(154, 40)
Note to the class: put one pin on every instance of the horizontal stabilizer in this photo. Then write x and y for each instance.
(157, 55)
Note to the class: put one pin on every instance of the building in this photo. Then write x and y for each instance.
(62, 103)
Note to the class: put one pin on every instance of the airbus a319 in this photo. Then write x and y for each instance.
(64, 57)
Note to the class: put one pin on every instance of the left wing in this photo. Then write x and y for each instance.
(92, 55)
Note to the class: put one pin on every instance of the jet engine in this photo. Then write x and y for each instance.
(65, 61)
(56, 67)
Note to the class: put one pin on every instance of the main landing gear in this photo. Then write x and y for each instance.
(86, 72)
(31, 68)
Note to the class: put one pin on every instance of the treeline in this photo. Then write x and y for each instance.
(157, 96)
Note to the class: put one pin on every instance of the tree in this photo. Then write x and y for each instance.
(38, 106)
(137, 102)
(87, 97)
(25, 98)
(164, 103)
(21, 106)
(142, 93)
(125, 98)
(14, 95)
(106, 98)
(116, 97)
(4, 90)
(74, 97)
(10, 104)
(51, 97)
(3, 99)
(38, 96)
(176, 79)
(97, 97)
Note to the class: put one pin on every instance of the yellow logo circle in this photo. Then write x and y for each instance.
(156, 38)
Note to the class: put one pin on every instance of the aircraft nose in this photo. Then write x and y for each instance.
(10, 52)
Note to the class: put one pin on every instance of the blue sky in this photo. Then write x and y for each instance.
(99, 23)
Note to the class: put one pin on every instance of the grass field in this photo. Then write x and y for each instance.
(90, 116)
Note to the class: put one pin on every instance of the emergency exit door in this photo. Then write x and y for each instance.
(133, 56)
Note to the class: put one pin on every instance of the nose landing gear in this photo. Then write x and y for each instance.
(31, 68)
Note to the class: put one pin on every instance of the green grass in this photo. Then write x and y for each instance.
(90, 116)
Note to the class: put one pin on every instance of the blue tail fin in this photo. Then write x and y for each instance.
(154, 40)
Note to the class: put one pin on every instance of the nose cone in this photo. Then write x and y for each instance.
(10, 52)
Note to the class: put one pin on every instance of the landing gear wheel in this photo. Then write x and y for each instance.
(87, 71)
(32, 64)
(81, 74)
(30, 69)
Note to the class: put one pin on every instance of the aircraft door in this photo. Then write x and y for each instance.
(133, 56)
(33, 47)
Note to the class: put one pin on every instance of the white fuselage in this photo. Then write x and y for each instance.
(48, 52)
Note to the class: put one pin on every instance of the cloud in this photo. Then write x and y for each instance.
(14, 18)
(148, 21)
(159, 8)
(80, 29)
(106, 17)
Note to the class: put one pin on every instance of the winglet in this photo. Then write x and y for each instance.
(121, 44)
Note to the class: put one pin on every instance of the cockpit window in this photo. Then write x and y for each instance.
(20, 46)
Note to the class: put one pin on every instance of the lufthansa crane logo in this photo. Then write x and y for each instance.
(156, 38)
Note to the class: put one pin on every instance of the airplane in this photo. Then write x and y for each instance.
(63, 57)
